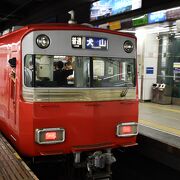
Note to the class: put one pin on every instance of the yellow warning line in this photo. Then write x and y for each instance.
(17, 155)
(167, 109)
(160, 127)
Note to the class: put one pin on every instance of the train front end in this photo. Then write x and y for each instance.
(95, 109)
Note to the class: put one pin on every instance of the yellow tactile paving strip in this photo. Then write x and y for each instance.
(158, 125)
(163, 108)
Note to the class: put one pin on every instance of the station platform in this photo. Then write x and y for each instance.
(160, 122)
(159, 133)
(12, 167)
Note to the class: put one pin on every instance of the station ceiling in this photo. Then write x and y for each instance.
(22, 12)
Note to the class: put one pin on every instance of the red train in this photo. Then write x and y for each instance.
(94, 106)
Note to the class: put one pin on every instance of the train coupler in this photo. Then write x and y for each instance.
(99, 165)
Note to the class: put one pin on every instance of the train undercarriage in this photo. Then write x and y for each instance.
(94, 165)
(97, 164)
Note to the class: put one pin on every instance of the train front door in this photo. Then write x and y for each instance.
(12, 97)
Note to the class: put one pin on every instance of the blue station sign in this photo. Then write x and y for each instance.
(155, 17)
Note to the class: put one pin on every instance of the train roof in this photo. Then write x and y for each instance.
(22, 31)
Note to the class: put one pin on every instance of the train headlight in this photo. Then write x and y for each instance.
(128, 46)
(50, 135)
(42, 41)
(126, 129)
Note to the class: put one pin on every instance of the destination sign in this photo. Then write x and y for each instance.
(95, 43)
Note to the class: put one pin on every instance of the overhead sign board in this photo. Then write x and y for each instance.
(158, 16)
(114, 25)
(105, 8)
(141, 20)
(173, 13)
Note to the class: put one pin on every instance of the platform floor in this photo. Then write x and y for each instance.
(160, 122)
(12, 167)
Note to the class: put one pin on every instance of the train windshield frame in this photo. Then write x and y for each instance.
(52, 71)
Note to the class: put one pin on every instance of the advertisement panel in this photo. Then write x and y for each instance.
(106, 8)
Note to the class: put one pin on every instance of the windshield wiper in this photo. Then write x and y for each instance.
(125, 90)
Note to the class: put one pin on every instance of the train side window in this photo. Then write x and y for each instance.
(28, 71)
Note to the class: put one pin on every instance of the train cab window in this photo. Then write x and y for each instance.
(48, 71)
(77, 71)
(113, 72)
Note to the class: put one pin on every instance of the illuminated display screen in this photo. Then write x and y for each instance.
(106, 8)
(89, 43)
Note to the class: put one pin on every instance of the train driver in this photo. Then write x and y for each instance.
(62, 72)
(28, 74)
(12, 63)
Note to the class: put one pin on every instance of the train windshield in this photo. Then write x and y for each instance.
(78, 72)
